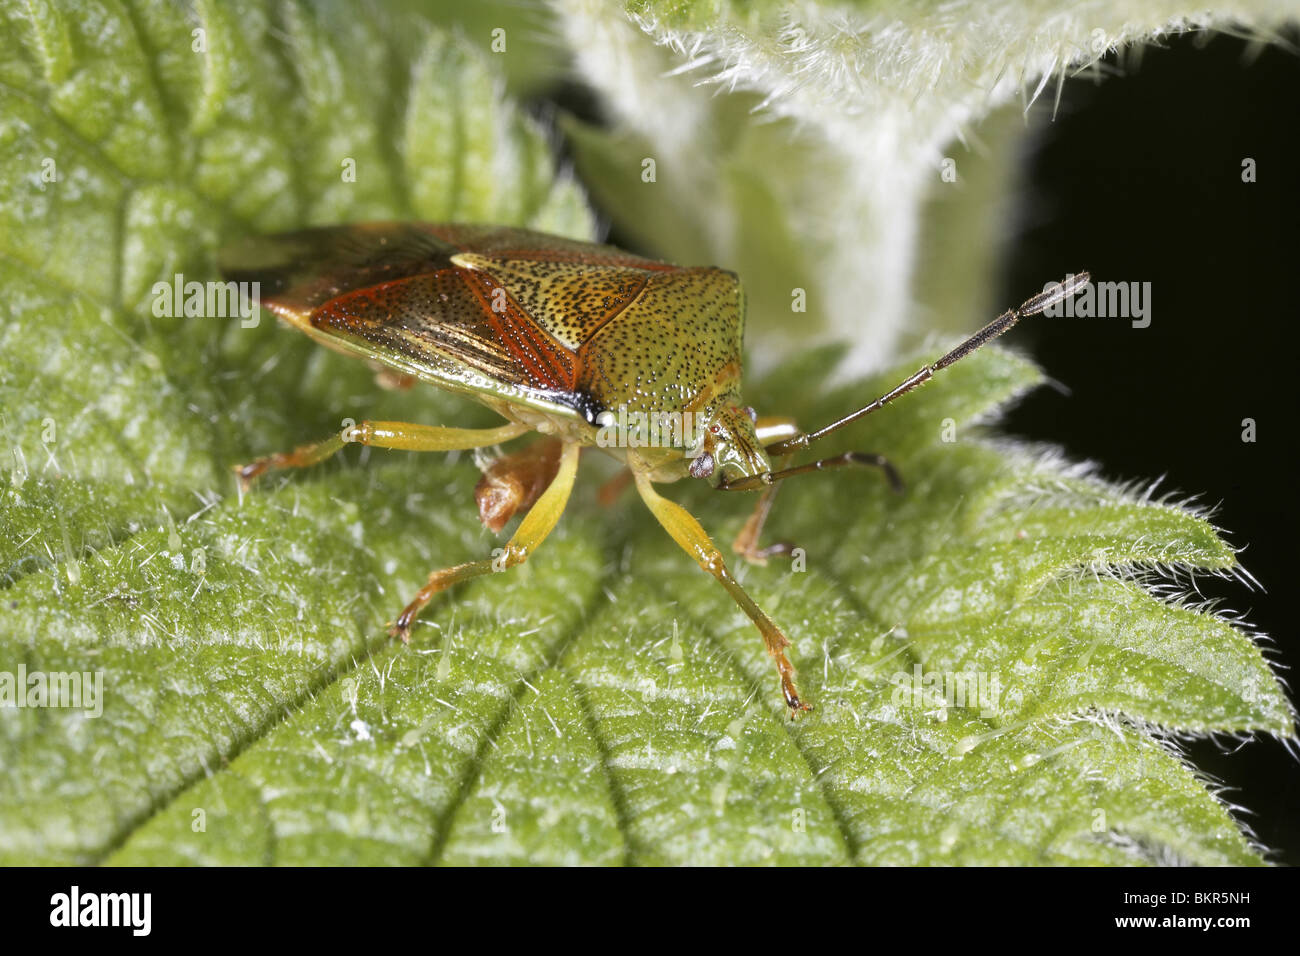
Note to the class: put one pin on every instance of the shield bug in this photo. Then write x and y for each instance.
(585, 344)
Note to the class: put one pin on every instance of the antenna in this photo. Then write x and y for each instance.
(1032, 306)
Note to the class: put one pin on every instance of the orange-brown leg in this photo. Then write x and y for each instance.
(773, 432)
(746, 543)
(513, 482)
(392, 380)
(532, 531)
(607, 494)
(402, 435)
(695, 541)
(770, 429)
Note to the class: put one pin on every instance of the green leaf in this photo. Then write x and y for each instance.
(604, 703)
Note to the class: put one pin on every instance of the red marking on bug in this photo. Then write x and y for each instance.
(548, 362)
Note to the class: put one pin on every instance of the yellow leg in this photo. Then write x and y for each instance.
(401, 435)
(532, 531)
(695, 541)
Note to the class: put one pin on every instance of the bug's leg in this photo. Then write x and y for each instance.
(746, 543)
(773, 432)
(394, 381)
(532, 531)
(402, 435)
(770, 429)
(513, 482)
(607, 494)
(695, 541)
(855, 458)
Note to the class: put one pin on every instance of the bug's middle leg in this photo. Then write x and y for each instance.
(406, 436)
(532, 531)
(513, 482)
(695, 541)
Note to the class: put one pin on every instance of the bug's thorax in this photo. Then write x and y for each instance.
(562, 427)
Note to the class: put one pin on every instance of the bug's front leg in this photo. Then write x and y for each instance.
(746, 543)
(774, 433)
(401, 435)
(770, 430)
(532, 531)
(695, 541)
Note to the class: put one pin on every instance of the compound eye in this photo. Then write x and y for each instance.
(701, 466)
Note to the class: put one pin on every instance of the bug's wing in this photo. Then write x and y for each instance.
(453, 321)
(392, 293)
(303, 269)
(665, 336)
(298, 271)
(658, 337)
(569, 300)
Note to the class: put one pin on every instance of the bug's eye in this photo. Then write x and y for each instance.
(701, 466)
(715, 428)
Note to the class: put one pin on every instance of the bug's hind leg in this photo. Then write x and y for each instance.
(401, 435)
(695, 541)
(532, 531)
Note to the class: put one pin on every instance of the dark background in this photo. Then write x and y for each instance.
(1139, 179)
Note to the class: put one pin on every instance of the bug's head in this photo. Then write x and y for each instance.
(728, 448)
